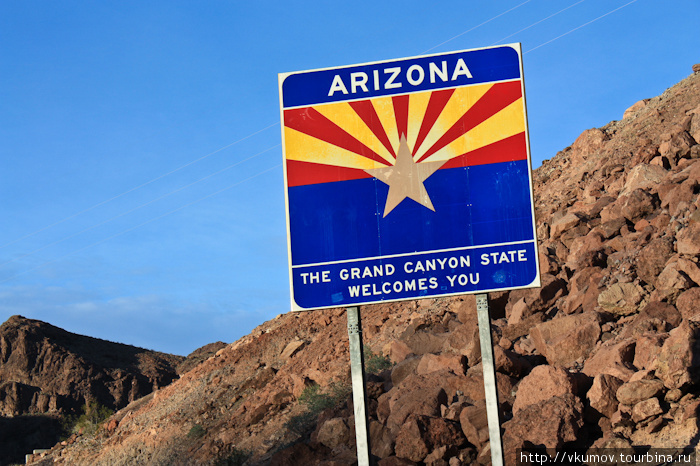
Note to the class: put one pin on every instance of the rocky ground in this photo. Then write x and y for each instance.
(606, 353)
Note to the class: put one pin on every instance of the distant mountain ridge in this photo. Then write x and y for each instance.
(53, 370)
(45, 370)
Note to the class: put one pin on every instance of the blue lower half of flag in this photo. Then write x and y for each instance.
(474, 206)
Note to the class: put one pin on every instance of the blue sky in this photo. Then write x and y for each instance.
(141, 186)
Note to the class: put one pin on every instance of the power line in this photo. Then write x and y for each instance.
(192, 162)
(138, 207)
(581, 26)
(475, 27)
(123, 232)
(538, 22)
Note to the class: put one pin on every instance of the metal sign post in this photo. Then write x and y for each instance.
(359, 396)
(489, 371)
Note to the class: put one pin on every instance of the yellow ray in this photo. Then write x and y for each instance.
(385, 111)
(344, 116)
(508, 122)
(417, 104)
(305, 148)
(462, 99)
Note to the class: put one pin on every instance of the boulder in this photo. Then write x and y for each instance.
(455, 363)
(643, 176)
(688, 303)
(602, 394)
(396, 351)
(633, 392)
(543, 383)
(646, 409)
(656, 317)
(415, 395)
(510, 363)
(688, 240)
(566, 339)
(672, 281)
(420, 435)
(614, 358)
(584, 290)
(635, 108)
(652, 259)
(474, 423)
(647, 349)
(567, 222)
(564, 419)
(678, 363)
(621, 298)
(333, 433)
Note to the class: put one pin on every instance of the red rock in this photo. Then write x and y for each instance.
(420, 435)
(656, 317)
(292, 348)
(672, 281)
(614, 358)
(381, 440)
(334, 432)
(647, 349)
(688, 303)
(567, 222)
(677, 146)
(635, 108)
(415, 395)
(583, 248)
(474, 424)
(652, 259)
(455, 363)
(644, 176)
(584, 290)
(564, 340)
(633, 392)
(677, 364)
(510, 363)
(602, 394)
(396, 351)
(688, 240)
(589, 142)
(690, 268)
(543, 383)
(564, 419)
(646, 409)
(621, 298)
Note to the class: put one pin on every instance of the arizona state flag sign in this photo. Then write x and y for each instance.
(408, 178)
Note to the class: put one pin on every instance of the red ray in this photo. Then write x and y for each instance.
(401, 113)
(366, 111)
(303, 173)
(311, 122)
(506, 150)
(494, 100)
(438, 100)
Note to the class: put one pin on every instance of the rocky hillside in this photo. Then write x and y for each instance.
(606, 353)
(48, 372)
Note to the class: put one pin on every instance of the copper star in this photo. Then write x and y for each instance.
(405, 178)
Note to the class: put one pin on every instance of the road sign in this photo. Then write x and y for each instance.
(408, 178)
